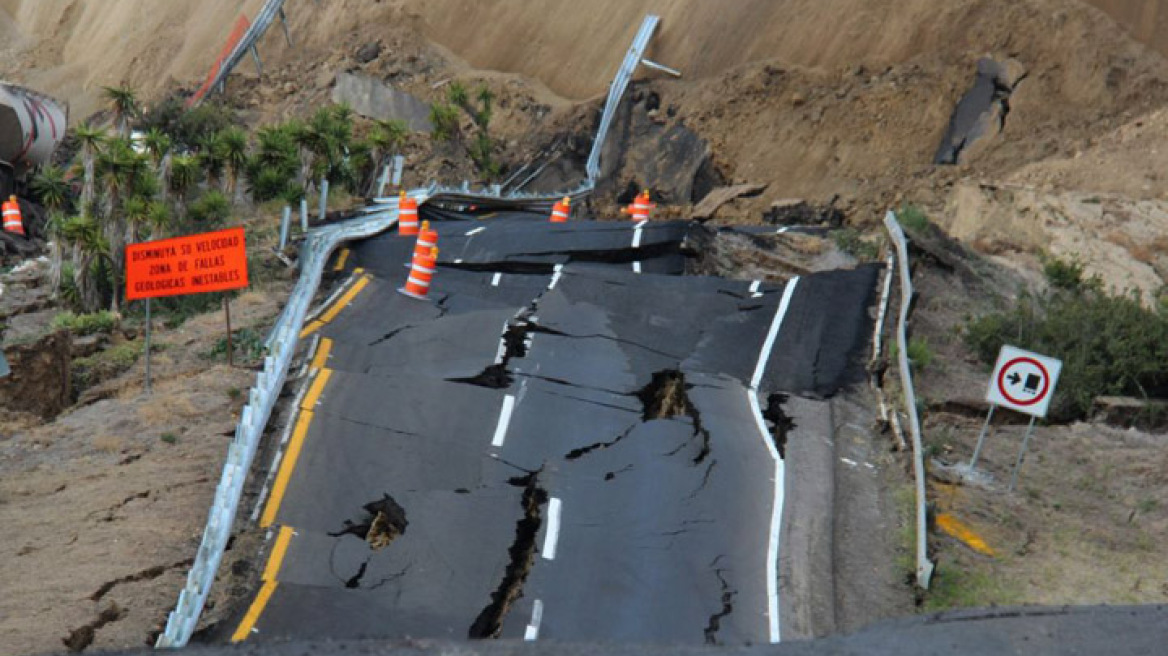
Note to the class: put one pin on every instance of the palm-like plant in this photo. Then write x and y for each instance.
(91, 140)
(117, 166)
(123, 102)
(85, 233)
(232, 144)
(158, 144)
(184, 175)
(50, 186)
(384, 138)
(158, 218)
(136, 210)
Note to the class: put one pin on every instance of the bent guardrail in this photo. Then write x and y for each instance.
(284, 338)
(924, 568)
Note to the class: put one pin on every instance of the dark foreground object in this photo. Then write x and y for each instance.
(1118, 631)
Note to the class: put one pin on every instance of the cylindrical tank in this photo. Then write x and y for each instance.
(31, 126)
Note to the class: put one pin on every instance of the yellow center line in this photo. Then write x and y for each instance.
(322, 353)
(336, 308)
(341, 259)
(295, 444)
(283, 538)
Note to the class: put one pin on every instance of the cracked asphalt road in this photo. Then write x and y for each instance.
(567, 442)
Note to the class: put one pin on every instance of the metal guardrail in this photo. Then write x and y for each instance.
(617, 90)
(282, 343)
(924, 570)
(259, 27)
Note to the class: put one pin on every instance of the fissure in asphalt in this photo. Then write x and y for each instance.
(489, 623)
(666, 396)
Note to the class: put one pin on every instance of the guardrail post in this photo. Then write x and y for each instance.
(304, 215)
(324, 189)
(285, 222)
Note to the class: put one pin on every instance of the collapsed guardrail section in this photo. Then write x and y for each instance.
(924, 568)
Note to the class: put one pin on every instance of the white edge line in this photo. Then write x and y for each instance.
(471, 233)
(772, 564)
(502, 344)
(504, 421)
(532, 632)
(636, 267)
(555, 506)
(495, 280)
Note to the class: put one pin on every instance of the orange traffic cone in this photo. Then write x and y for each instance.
(427, 239)
(561, 210)
(13, 222)
(639, 210)
(407, 215)
(421, 273)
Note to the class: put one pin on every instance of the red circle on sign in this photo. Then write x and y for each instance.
(1038, 397)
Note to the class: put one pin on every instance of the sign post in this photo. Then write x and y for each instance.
(195, 264)
(1024, 382)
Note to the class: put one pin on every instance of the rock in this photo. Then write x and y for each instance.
(289, 87)
(368, 52)
(86, 346)
(40, 382)
(373, 98)
(798, 99)
(722, 195)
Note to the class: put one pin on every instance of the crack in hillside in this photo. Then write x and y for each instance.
(489, 622)
(81, 637)
(144, 575)
(728, 595)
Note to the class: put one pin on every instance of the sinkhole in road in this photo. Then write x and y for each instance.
(384, 521)
(489, 623)
(666, 396)
(777, 420)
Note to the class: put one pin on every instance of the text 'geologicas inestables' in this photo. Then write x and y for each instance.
(207, 262)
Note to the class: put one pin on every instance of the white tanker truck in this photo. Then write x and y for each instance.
(32, 125)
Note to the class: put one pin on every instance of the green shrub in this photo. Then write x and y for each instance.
(850, 241)
(912, 218)
(1109, 344)
(211, 211)
(444, 119)
(1068, 274)
(247, 345)
(85, 324)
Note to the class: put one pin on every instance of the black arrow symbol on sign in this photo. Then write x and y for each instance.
(1014, 378)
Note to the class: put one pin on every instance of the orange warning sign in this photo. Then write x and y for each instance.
(208, 262)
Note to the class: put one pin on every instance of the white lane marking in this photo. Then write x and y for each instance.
(458, 261)
(504, 421)
(754, 293)
(849, 462)
(495, 280)
(471, 233)
(502, 345)
(769, 344)
(772, 565)
(558, 271)
(782, 230)
(553, 532)
(532, 631)
(636, 267)
(637, 234)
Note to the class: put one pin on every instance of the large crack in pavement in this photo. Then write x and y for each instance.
(514, 343)
(728, 595)
(489, 622)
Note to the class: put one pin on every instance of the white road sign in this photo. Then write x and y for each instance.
(1023, 381)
